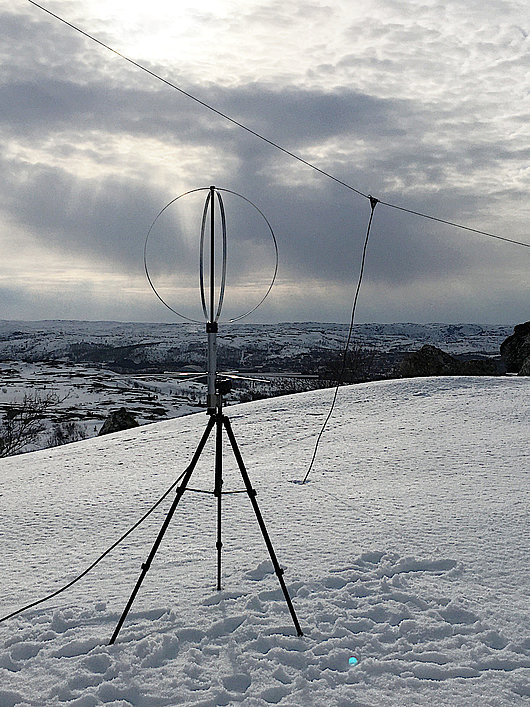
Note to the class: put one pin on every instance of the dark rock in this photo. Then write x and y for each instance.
(525, 368)
(429, 361)
(117, 421)
(479, 367)
(432, 361)
(516, 348)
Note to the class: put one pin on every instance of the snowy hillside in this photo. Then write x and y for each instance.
(407, 550)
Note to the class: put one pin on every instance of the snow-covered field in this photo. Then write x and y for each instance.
(87, 394)
(407, 549)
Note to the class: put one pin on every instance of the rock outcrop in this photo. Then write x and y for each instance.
(117, 421)
(515, 350)
(525, 368)
(428, 361)
(478, 367)
(432, 361)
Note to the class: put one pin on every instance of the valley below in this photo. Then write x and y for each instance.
(88, 369)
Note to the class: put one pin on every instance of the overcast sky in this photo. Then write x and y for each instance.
(422, 103)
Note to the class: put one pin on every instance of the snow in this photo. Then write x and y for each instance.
(407, 550)
(86, 394)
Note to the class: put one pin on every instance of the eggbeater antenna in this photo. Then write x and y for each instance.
(210, 201)
(211, 303)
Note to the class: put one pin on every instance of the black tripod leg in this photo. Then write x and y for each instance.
(218, 489)
(252, 495)
(180, 491)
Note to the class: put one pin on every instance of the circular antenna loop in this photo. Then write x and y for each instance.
(212, 307)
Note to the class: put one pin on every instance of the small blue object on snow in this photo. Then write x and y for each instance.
(353, 660)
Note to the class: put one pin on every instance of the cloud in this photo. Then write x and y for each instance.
(404, 109)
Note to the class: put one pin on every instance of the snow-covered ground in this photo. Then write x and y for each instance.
(86, 394)
(407, 549)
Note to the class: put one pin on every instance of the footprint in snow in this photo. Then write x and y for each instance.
(237, 683)
(228, 625)
(273, 695)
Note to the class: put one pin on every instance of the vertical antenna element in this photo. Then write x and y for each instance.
(212, 252)
(210, 314)
(201, 256)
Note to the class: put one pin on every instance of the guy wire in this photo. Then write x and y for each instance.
(373, 204)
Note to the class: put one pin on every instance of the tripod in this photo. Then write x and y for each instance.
(220, 421)
(212, 296)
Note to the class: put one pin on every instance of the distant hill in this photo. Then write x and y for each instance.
(95, 368)
(291, 346)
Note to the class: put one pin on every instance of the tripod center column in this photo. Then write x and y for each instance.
(211, 400)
